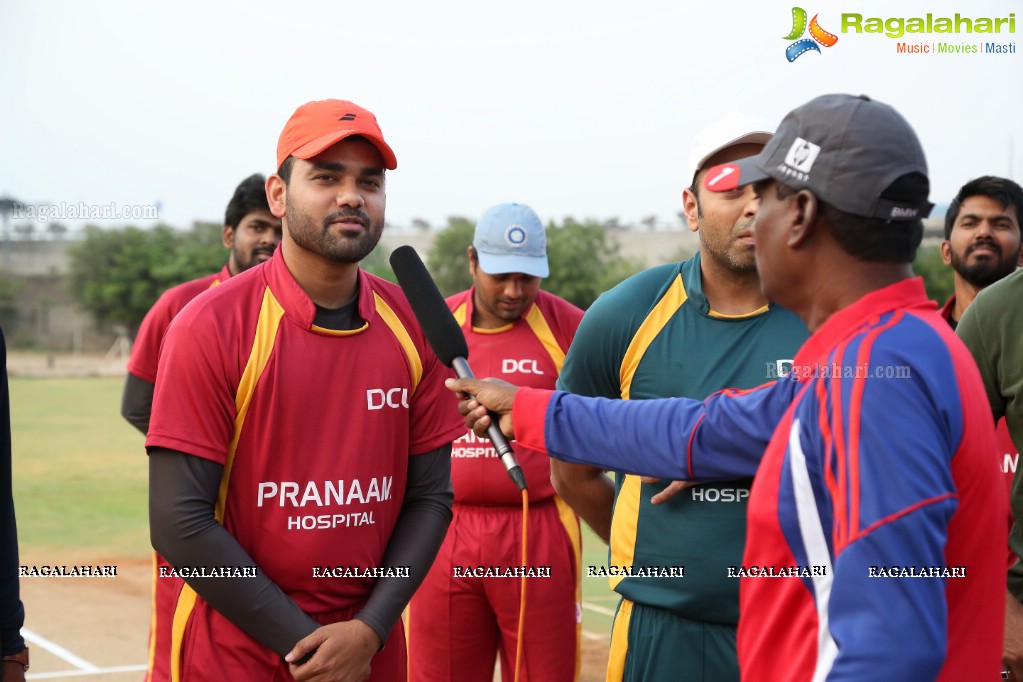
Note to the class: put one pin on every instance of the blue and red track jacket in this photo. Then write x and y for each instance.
(875, 545)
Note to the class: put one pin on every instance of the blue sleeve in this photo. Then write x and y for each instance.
(892, 628)
(722, 438)
(894, 440)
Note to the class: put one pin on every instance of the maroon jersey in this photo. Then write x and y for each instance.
(145, 352)
(145, 357)
(459, 623)
(314, 427)
(527, 352)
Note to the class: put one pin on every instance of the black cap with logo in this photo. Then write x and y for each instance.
(845, 149)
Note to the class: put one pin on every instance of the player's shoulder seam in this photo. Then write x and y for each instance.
(381, 284)
(646, 288)
(197, 283)
(913, 324)
(552, 304)
(220, 304)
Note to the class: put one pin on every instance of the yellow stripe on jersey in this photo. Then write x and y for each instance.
(152, 621)
(570, 522)
(406, 620)
(669, 304)
(177, 628)
(399, 331)
(337, 332)
(543, 332)
(459, 314)
(270, 314)
(619, 642)
(625, 521)
(494, 330)
(182, 612)
(743, 316)
(624, 524)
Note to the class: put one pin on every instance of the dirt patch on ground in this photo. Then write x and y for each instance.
(593, 667)
(102, 624)
(77, 625)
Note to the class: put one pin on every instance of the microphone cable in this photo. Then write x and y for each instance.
(522, 592)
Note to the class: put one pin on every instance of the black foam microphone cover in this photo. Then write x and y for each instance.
(445, 337)
(439, 325)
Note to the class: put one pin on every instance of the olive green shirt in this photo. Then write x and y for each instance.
(992, 328)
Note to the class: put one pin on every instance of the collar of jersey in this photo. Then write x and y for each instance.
(692, 280)
(469, 306)
(296, 302)
(224, 274)
(907, 294)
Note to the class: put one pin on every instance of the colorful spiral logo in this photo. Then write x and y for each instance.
(818, 36)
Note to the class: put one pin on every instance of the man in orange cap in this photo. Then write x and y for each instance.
(300, 437)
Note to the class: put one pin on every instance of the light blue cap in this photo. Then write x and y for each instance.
(511, 238)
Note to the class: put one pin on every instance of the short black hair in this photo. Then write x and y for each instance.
(249, 196)
(285, 170)
(876, 240)
(1002, 190)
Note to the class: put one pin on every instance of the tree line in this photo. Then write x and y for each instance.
(117, 274)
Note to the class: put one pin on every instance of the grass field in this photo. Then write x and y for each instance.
(80, 471)
(599, 601)
(80, 483)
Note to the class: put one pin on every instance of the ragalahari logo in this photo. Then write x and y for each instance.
(817, 35)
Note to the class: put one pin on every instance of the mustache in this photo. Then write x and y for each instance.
(346, 215)
(744, 226)
(993, 244)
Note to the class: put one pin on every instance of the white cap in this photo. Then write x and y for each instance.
(735, 128)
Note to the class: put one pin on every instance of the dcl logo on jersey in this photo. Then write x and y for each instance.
(509, 366)
(379, 398)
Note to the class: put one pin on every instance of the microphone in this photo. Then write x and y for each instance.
(445, 337)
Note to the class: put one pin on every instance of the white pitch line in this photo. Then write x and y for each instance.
(598, 609)
(594, 636)
(83, 673)
(59, 651)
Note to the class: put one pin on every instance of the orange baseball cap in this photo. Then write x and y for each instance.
(315, 126)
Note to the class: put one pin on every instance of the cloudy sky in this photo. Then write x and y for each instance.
(582, 109)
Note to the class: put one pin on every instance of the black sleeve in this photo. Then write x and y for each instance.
(182, 495)
(416, 539)
(137, 402)
(12, 613)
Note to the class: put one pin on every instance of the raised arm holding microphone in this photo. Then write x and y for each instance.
(876, 510)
